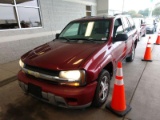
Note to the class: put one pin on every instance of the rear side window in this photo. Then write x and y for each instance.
(127, 27)
(131, 23)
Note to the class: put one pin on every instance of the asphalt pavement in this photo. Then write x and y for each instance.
(8, 72)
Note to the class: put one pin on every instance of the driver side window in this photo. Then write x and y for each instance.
(118, 28)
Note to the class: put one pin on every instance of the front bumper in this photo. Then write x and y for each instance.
(59, 95)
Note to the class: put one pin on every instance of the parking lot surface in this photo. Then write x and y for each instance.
(141, 79)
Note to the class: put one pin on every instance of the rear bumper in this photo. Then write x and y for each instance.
(63, 96)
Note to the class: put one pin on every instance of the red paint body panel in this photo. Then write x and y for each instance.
(59, 55)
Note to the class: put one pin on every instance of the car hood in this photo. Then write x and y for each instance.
(60, 55)
(149, 26)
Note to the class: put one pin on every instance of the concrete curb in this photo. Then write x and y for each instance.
(8, 80)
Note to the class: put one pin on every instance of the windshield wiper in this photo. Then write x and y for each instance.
(80, 38)
(86, 39)
(89, 39)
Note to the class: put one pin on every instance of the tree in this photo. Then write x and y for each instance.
(132, 12)
(144, 12)
(156, 11)
(157, 4)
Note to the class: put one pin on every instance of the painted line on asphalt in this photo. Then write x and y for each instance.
(8, 80)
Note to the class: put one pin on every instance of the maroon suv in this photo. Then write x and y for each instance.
(74, 70)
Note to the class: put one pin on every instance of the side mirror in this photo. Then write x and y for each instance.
(57, 35)
(121, 37)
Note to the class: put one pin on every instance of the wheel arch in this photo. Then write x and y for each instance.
(109, 68)
(135, 43)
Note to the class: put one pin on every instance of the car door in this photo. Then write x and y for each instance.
(143, 28)
(130, 32)
(119, 47)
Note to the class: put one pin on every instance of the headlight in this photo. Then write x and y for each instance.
(74, 77)
(21, 63)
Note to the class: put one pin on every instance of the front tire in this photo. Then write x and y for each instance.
(102, 89)
(131, 57)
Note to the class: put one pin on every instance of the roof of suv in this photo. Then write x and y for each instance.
(94, 18)
(98, 17)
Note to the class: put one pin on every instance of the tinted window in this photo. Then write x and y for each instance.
(7, 2)
(118, 28)
(131, 22)
(8, 18)
(29, 17)
(149, 21)
(126, 25)
(137, 22)
(72, 31)
(27, 2)
(25, 16)
(97, 30)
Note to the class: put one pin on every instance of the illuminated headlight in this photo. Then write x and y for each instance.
(74, 77)
(21, 63)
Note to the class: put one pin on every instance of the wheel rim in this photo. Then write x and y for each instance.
(103, 88)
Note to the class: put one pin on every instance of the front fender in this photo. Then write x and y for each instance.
(94, 67)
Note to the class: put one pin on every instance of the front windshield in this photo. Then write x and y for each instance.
(137, 23)
(149, 21)
(87, 30)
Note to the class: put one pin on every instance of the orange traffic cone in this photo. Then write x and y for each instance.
(158, 40)
(118, 103)
(147, 55)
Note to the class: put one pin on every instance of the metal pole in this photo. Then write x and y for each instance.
(123, 6)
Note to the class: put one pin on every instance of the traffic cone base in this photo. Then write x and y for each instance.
(147, 60)
(157, 43)
(118, 113)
